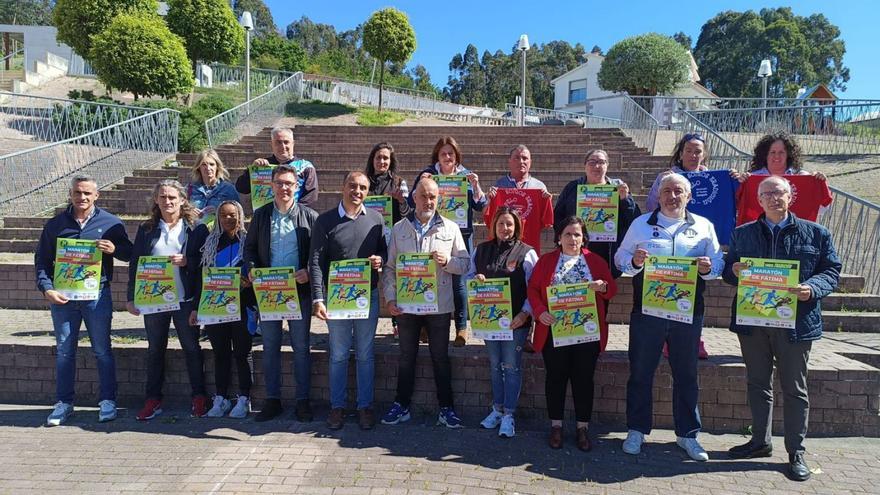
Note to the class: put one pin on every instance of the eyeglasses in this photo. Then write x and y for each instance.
(692, 136)
(284, 184)
(772, 194)
(596, 162)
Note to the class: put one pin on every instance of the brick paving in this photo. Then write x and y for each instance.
(183, 455)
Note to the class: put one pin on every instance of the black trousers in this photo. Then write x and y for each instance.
(408, 328)
(232, 340)
(575, 364)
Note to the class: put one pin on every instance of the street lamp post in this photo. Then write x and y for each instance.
(523, 46)
(247, 23)
(764, 72)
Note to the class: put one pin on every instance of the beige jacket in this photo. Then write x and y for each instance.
(443, 236)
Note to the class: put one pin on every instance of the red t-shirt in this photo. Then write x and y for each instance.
(535, 210)
(808, 195)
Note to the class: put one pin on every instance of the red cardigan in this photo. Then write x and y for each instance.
(542, 276)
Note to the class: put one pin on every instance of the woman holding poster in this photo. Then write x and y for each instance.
(221, 246)
(460, 196)
(506, 257)
(570, 328)
(165, 234)
(210, 185)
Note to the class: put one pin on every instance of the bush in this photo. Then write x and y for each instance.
(371, 117)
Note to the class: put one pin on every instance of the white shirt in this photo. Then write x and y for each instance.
(172, 240)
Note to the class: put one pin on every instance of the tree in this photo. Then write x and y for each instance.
(78, 20)
(683, 40)
(273, 49)
(138, 53)
(264, 25)
(596, 50)
(209, 30)
(389, 37)
(804, 51)
(644, 65)
(313, 38)
(422, 79)
(26, 12)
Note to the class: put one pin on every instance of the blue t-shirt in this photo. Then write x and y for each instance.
(713, 196)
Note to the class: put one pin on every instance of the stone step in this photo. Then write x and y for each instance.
(851, 302)
(851, 321)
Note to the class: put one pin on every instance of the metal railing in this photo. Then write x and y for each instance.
(262, 80)
(539, 116)
(45, 119)
(36, 179)
(252, 116)
(15, 59)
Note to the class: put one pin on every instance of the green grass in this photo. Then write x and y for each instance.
(317, 110)
(369, 117)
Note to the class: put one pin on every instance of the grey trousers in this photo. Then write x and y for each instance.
(759, 351)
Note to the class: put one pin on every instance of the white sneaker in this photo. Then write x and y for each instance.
(220, 408)
(633, 443)
(107, 411)
(60, 414)
(507, 426)
(242, 408)
(492, 420)
(693, 448)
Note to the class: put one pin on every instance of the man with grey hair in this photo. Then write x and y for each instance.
(519, 165)
(84, 221)
(779, 234)
(669, 231)
(282, 153)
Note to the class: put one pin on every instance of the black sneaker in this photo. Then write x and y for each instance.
(750, 450)
(303, 411)
(271, 410)
(797, 467)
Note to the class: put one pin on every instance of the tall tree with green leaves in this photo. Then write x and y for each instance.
(645, 65)
(389, 37)
(313, 38)
(78, 20)
(264, 24)
(684, 40)
(137, 53)
(26, 12)
(208, 28)
(288, 55)
(803, 51)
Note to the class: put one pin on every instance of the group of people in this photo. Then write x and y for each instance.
(202, 226)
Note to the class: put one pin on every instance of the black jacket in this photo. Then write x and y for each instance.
(194, 259)
(144, 241)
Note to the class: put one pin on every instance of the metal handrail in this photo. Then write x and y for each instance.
(12, 55)
(72, 101)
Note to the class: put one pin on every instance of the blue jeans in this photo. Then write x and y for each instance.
(66, 319)
(364, 331)
(505, 362)
(302, 358)
(459, 294)
(157, 326)
(647, 334)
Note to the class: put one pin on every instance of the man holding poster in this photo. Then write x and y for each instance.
(802, 247)
(670, 252)
(257, 178)
(424, 232)
(347, 250)
(103, 236)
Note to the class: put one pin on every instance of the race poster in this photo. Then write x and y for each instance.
(275, 290)
(762, 296)
(598, 206)
(220, 295)
(669, 288)
(348, 286)
(577, 317)
(490, 308)
(382, 205)
(452, 202)
(77, 269)
(417, 283)
(155, 288)
(261, 185)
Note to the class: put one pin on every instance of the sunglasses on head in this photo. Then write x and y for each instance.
(691, 137)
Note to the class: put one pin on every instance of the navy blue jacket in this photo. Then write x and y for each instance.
(144, 241)
(801, 240)
(103, 225)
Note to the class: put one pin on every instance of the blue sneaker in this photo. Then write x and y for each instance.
(448, 418)
(397, 414)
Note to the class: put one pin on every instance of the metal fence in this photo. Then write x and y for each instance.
(233, 77)
(36, 180)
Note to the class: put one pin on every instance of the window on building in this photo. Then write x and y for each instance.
(577, 91)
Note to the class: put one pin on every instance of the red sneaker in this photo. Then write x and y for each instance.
(701, 352)
(199, 406)
(151, 409)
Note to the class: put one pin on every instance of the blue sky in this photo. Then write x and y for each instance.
(445, 28)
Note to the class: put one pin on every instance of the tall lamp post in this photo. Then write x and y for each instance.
(523, 46)
(764, 73)
(247, 23)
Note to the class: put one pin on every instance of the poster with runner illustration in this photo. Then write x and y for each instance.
(577, 317)
(220, 295)
(261, 185)
(155, 289)
(417, 283)
(452, 202)
(348, 289)
(670, 287)
(598, 206)
(77, 269)
(762, 296)
(276, 293)
(382, 205)
(490, 310)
